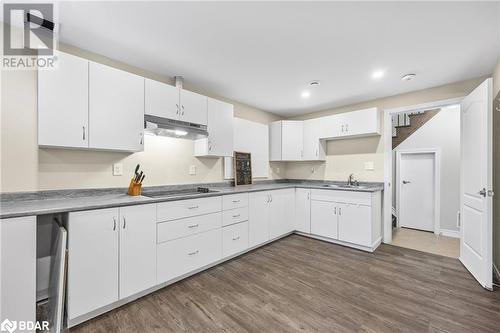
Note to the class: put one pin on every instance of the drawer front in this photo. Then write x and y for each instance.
(363, 198)
(189, 226)
(234, 238)
(234, 201)
(187, 254)
(234, 216)
(173, 210)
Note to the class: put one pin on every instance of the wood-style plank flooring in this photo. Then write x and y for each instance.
(301, 284)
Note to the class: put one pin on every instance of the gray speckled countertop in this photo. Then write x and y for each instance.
(49, 202)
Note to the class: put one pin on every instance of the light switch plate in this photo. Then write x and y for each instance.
(369, 166)
(118, 169)
(192, 170)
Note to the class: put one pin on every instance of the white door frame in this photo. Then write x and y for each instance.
(387, 213)
(437, 180)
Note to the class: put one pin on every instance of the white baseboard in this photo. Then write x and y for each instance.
(450, 233)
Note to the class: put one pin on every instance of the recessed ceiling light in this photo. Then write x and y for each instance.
(378, 74)
(314, 83)
(305, 94)
(408, 77)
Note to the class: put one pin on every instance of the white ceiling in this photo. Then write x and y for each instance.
(264, 54)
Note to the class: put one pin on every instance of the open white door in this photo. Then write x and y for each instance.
(476, 183)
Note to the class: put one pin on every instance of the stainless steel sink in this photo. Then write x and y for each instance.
(346, 186)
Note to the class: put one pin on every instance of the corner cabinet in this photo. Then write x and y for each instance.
(220, 131)
(116, 109)
(286, 140)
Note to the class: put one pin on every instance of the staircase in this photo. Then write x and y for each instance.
(405, 124)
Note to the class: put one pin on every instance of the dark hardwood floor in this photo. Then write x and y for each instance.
(301, 284)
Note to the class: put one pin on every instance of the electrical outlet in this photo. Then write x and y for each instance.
(313, 170)
(192, 170)
(118, 169)
(369, 166)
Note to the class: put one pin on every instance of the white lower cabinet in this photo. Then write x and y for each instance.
(234, 239)
(324, 220)
(111, 256)
(270, 215)
(18, 269)
(178, 257)
(137, 249)
(353, 218)
(302, 218)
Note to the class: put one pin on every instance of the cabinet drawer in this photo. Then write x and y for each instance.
(185, 208)
(234, 238)
(363, 198)
(188, 226)
(234, 201)
(187, 254)
(234, 216)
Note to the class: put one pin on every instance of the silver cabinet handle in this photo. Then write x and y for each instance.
(340, 211)
(114, 223)
(193, 226)
(83, 127)
(317, 152)
(335, 211)
(142, 138)
(177, 106)
(193, 207)
(268, 198)
(236, 238)
(271, 196)
(347, 128)
(193, 253)
(406, 182)
(182, 113)
(235, 201)
(342, 128)
(237, 215)
(308, 195)
(124, 223)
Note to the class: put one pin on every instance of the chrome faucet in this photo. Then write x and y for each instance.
(351, 180)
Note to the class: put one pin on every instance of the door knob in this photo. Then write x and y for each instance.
(406, 182)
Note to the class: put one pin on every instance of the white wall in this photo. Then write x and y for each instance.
(442, 131)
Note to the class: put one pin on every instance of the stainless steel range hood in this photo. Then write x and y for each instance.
(174, 128)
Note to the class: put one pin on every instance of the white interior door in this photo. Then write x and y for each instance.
(476, 183)
(417, 186)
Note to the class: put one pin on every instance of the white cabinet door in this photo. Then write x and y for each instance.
(220, 131)
(161, 99)
(116, 109)
(280, 212)
(355, 224)
(324, 221)
(234, 239)
(63, 103)
(292, 143)
(258, 218)
(193, 107)
(303, 210)
(275, 143)
(18, 268)
(314, 148)
(92, 260)
(137, 249)
(362, 122)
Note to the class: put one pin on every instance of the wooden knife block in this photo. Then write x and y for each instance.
(134, 189)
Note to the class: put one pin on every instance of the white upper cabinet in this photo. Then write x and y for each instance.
(193, 107)
(161, 100)
(116, 109)
(286, 140)
(314, 147)
(220, 131)
(351, 124)
(63, 103)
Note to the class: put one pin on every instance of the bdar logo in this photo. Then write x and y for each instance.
(9, 326)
